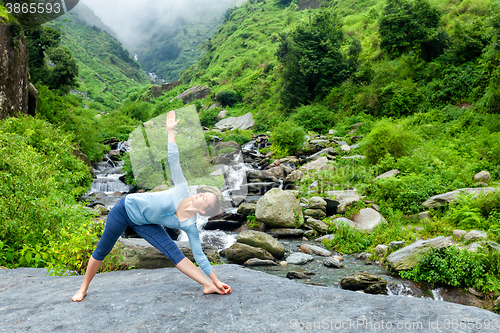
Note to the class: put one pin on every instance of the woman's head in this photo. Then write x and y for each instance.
(208, 203)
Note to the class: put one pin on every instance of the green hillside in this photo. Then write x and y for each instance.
(106, 69)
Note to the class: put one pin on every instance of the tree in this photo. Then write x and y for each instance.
(65, 71)
(405, 25)
(311, 58)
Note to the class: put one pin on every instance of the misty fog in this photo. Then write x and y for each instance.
(132, 20)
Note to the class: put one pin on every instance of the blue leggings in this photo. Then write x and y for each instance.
(117, 222)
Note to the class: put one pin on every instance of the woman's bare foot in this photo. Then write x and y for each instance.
(211, 288)
(80, 295)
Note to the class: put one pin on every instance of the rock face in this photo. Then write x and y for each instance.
(239, 253)
(369, 283)
(196, 92)
(262, 240)
(162, 299)
(408, 256)
(367, 219)
(445, 198)
(278, 208)
(139, 253)
(14, 71)
(244, 122)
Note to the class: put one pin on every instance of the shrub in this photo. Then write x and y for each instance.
(347, 239)
(387, 137)
(208, 117)
(228, 97)
(318, 118)
(287, 138)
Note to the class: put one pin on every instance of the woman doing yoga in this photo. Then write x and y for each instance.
(147, 212)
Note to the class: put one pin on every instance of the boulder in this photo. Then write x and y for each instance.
(388, 174)
(445, 198)
(294, 177)
(396, 245)
(367, 282)
(278, 208)
(259, 262)
(231, 123)
(332, 262)
(299, 275)
(343, 220)
(345, 199)
(424, 216)
(483, 176)
(221, 114)
(317, 225)
(367, 219)
(246, 208)
(320, 239)
(239, 253)
(196, 92)
(381, 250)
(407, 257)
(160, 188)
(458, 234)
(262, 240)
(139, 253)
(319, 164)
(315, 213)
(299, 258)
(317, 203)
(285, 232)
(313, 249)
(475, 235)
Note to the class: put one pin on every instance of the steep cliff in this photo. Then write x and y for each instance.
(14, 71)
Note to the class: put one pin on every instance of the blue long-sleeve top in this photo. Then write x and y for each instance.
(159, 208)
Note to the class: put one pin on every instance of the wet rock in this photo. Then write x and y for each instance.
(396, 245)
(445, 198)
(222, 224)
(259, 262)
(458, 234)
(475, 235)
(367, 219)
(483, 176)
(381, 250)
(475, 292)
(333, 262)
(239, 253)
(313, 249)
(102, 209)
(407, 257)
(299, 258)
(246, 208)
(299, 275)
(388, 174)
(285, 232)
(363, 256)
(262, 240)
(367, 282)
(139, 253)
(278, 208)
(315, 213)
(462, 296)
(317, 225)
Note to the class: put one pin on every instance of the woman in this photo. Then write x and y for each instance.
(147, 212)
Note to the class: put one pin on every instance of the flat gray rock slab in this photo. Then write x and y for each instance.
(165, 300)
